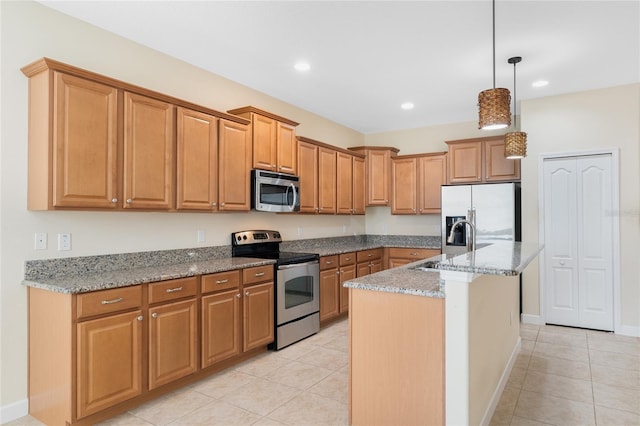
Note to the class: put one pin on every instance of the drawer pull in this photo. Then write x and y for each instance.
(414, 254)
(222, 281)
(329, 262)
(173, 290)
(109, 302)
(259, 274)
(369, 255)
(347, 258)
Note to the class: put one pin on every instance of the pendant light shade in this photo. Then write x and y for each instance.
(515, 143)
(493, 104)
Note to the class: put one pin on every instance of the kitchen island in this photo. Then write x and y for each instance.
(434, 342)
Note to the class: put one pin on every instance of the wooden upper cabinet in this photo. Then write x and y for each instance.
(358, 185)
(308, 166)
(404, 192)
(344, 183)
(378, 173)
(432, 174)
(234, 166)
(326, 180)
(480, 160)
(73, 143)
(465, 162)
(497, 166)
(197, 160)
(148, 152)
(274, 140)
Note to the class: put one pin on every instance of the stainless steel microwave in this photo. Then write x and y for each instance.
(274, 192)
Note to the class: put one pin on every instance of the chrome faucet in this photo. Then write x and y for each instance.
(473, 232)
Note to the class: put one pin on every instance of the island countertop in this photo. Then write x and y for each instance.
(423, 278)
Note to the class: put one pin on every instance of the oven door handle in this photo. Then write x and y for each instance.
(298, 265)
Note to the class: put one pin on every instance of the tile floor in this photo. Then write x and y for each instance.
(563, 376)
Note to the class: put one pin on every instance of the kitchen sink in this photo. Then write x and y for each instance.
(429, 265)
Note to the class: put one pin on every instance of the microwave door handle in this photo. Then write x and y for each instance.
(295, 196)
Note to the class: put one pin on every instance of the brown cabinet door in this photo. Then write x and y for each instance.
(362, 269)
(465, 162)
(394, 262)
(172, 342)
(85, 141)
(234, 166)
(327, 181)
(404, 180)
(375, 266)
(220, 326)
(329, 295)
(264, 142)
(497, 166)
(287, 147)
(344, 183)
(308, 172)
(109, 361)
(258, 324)
(197, 160)
(358, 185)
(378, 177)
(432, 174)
(346, 273)
(148, 152)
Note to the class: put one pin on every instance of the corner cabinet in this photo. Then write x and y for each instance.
(416, 182)
(377, 173)
(480, 160)
(274, 140)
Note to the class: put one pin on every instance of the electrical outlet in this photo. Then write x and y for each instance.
(344, 229)
(41, 241)
(200, 236)
(299, 231)
(64, 242)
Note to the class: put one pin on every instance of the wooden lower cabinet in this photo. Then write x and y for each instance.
(173, 342)
(369, 262)
(258, 316)
(329, 294)
(346, 273)
(398, 256)
(109, 361)
(220, 326)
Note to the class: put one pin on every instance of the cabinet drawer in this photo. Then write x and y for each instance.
(412, 253)
(365, 255)
(107, 301)
(329, 262)
(172, 289)
(258, 274)
(220, 281)
(347, 259)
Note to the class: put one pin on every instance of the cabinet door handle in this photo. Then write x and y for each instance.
(222, 281)
(109, 302)
(337, 272)
(154, 315)
(139, 317)
(246, 293)
(173, 290)
(214, 204)
(238, 295)
(221, 204)
(114, 200)
(129, 200)
(259, 274)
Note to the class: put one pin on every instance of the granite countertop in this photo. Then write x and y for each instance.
(90, 273)
(501, 258)
(83, 283)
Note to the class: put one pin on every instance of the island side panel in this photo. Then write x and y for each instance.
(396, 358)
(494, 331)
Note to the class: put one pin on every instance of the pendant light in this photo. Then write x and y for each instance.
(494, 111)
(515, 143)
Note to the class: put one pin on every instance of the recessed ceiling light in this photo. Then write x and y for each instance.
(407, 105)
(539, 83)
(302, 66)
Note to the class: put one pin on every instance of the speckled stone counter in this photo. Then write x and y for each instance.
(503, 258)
(90, 273)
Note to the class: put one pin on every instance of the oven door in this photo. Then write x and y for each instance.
(297, 291)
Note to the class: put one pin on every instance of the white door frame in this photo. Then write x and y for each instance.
(615, 200)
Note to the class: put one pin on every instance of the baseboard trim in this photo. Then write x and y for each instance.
(497, 393)
(531, 319)
(628, 330)
(14, 411)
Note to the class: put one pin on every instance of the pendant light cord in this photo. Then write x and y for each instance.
(515, 123)
(494, 43)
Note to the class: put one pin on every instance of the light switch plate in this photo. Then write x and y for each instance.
(64, 242)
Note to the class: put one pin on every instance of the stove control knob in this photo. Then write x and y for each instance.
(244, 237)
(238, 238)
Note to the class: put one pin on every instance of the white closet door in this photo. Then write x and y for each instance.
(595, 242)
(561, 232)
(578, 218)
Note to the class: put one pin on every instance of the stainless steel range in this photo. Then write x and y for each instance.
(297, 294)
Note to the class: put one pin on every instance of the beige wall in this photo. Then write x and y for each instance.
(31, 31)
(582, 121)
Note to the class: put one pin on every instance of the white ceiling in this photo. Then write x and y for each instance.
(368, 57)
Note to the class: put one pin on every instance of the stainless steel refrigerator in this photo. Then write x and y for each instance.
(496, 207)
